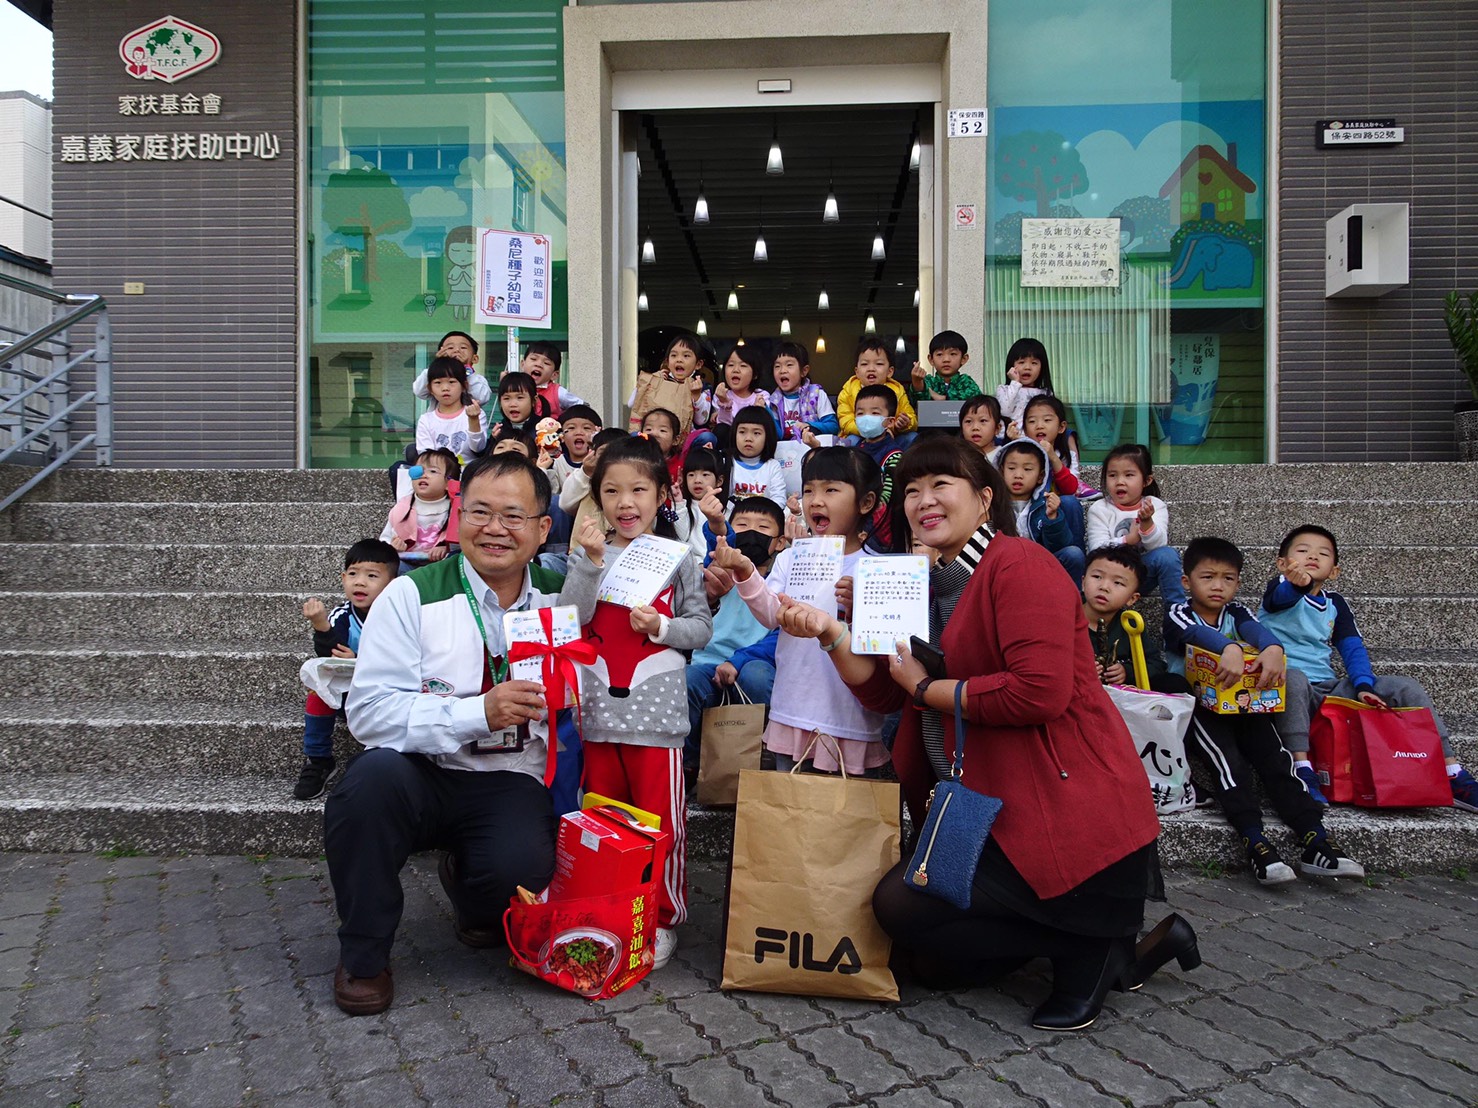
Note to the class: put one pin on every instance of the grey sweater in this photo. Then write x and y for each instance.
(637, 690)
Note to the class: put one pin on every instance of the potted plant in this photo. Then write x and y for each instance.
(1461, 315)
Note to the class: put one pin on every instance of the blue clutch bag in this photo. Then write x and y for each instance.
(954, 832)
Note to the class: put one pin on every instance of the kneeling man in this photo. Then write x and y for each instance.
(457, 752)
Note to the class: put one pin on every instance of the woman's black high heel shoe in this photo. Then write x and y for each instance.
(1061, 1012)
(1172, 937)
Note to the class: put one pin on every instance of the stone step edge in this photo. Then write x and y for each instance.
(1430, 842)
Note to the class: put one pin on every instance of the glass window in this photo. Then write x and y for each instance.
(1153, 114)
(427, 118)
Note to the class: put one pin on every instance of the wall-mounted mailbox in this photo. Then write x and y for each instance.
(1366, 250)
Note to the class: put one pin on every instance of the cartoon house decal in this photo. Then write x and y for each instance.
(1209, 186)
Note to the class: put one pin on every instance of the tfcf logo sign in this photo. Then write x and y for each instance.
(169, 50)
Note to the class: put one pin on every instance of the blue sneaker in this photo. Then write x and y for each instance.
(1310, 779)
(1464, 791)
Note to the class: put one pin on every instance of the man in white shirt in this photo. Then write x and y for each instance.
(456, 758)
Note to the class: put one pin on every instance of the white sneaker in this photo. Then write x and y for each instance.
(664, 948)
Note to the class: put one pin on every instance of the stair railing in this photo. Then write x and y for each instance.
(39, 407)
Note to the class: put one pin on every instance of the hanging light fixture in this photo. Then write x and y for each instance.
(829, 213)
(915, 298)
(774, 164)
(823, 302)
(648, 251)
(785, 326)
(871, 326)
(641, 301)
(913, 157)
(820, 341)
(878, 252)
(700, 209)
(733, 301)
(741, 337)
(761, 252)
(898, 346)
(702, 327)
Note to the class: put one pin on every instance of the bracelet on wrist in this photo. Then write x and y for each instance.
(836, 642)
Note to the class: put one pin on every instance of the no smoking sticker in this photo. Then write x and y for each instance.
(964, 217)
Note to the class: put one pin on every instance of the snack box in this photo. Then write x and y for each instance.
(1240, 699)
(605, 850)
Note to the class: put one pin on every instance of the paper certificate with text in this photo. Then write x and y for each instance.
(642, 571)
(890, 601)
(815, 571)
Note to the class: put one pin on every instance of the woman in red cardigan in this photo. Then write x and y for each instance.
(1071, 857)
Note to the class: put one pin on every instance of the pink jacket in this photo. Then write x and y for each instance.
(403, 516)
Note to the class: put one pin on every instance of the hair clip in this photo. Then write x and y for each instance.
(641, 435)
(667, 511)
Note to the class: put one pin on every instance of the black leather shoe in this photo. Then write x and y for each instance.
(1172, 937)
(1062, 1012)
(479, 938)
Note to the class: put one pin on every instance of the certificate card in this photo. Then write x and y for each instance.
(527, 627)
(643, 570)
(815, 571)
(890, 601)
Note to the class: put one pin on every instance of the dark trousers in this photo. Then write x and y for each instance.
(499, 827)
(1239, 746)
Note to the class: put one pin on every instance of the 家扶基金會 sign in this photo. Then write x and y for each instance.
(168, 49)
(514, 279)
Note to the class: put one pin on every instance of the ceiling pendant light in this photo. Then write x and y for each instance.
(878, 253)
(702, 326)
(774, 164)
(915, 298)
(733, 301)
(913, 157)
(785, 326)
(648, 251)
(829, 214)
(761, 252)
(641, 301)
(898, 346)
(871, 326)
(700, 208)
(741, 337)
(823, 302)
(820, 341)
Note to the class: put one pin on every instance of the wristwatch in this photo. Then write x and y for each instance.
(920, 689)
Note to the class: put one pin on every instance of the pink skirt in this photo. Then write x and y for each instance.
(858, 755)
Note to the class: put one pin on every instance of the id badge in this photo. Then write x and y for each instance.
(510, 740)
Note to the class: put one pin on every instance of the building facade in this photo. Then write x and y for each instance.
(283, 203)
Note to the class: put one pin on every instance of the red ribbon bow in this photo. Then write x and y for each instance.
(558, 674)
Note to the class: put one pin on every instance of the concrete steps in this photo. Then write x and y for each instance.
(154, 635)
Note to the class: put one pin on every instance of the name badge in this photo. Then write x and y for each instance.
(510, 740)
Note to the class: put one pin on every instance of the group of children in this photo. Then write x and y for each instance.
(701, 466)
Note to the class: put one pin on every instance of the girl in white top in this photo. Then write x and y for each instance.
(840, 490)
(740, 386)
(1131, 513)
(755, 471)
(1027, 375)
(456, 422)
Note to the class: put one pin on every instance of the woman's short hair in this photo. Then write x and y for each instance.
(947, 456)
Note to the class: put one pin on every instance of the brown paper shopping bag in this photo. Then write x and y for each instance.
(808, 851)
(731, 741)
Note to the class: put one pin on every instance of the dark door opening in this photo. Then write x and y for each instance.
(707, 269)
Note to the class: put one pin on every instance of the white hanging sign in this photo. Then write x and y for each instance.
(514, 279)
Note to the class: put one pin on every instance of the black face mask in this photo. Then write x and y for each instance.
(754, 545)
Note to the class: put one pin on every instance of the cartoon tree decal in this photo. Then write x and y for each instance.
(1040, 166)
(365, 201)
(1147, 220)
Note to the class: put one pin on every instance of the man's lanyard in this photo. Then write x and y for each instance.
(497, 667)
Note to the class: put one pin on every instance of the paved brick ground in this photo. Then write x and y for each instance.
(203, 981)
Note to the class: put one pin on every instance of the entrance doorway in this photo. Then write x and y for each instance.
(761, 226)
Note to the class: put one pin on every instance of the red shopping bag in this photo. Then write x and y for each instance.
(1332, 734)
(1398, 762)
(592, 931)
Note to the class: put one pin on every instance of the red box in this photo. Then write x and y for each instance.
(605, 850)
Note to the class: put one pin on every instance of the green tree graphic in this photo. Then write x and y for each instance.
(1040, 166)
(366, 201)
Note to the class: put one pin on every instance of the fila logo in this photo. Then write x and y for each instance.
(802, 950)
(1408, 753)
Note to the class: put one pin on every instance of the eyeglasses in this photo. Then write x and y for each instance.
(509, 521)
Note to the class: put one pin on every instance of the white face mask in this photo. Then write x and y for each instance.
(870, 426)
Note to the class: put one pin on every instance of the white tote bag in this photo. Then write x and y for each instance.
(1158, 722)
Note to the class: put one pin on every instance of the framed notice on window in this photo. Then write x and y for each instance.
(1070, 253)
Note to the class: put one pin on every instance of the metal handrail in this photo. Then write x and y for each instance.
(63, 396)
